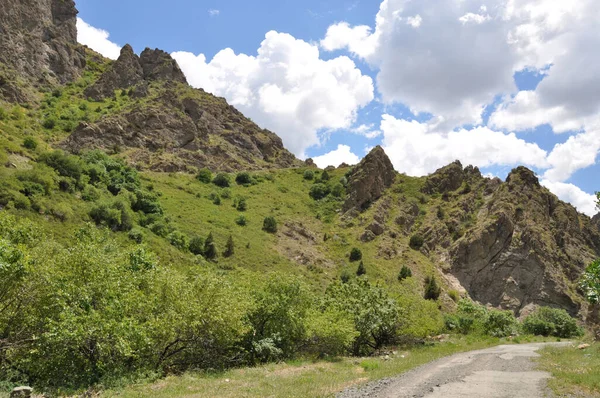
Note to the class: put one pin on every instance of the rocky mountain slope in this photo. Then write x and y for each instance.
(509, 244)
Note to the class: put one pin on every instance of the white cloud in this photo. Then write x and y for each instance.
(343, 154)
(420, 148)
(474, 18)
(583, 201)
(578, 152)
(366, 130)
(359, 39)
(415, 21)
(286, 87)
(97, 40)
(214, 13)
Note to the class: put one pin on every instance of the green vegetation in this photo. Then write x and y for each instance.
(222, 180)
(416, 242)
(204, 175)
(355, 254)
(590, 282)
(405, 272)
(432, 289)
(270, 224)
(361, 270)
(551, 322)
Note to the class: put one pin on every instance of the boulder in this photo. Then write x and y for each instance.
(21, 392)
(159, 65)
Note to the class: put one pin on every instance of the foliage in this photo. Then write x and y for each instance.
(319, 191)
(270, 224)
(204, 175)
(241, 205)
(210, 249)
(178, 239)
(229, 247)
(432, 290)
(337, 190)
(355, 254)
(546, 321)
(309, 175)
(500, 323)
(30, 143)
(416, 242)
(361, 270)
(325, 176)
(116, 215)
(329, 332)
(136, 235)
(405, 272)
(243, 178)
(222, 180)
(241, 220)
(196, 245)
(590, 282)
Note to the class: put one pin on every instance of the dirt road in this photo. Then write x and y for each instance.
(501, 372)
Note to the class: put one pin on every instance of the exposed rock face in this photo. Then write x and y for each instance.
(450, 178)
(527, 247)
(38, 39)
(131, 71)
(596, 221)
(125, 72)
(175, 131)
(369, 179)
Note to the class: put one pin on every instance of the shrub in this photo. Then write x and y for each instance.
(405, 272)
(210, 249)
(178, 239)
(196, 245)
(454, 295)
(30, 143)
(3, 114)
(116, 215)
(49, 123)
(136, 235)
(309, 175)
(548, 321)
(65, 165)
(226, 193)
(160, 228)
(337, 190)
(416, 242)
(329, 332)
(204, 175)
(345, 276)
(217, 200)
(500, 323)
(243, 178)
(361, 270)
(270, 224)
(242, 205)
(229, 247)
(319, 191)
(325, 176)
(241, 221)
(355, 254)
(222, 180)
(432, 290)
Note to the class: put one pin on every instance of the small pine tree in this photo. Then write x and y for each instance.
(325, 176)
(242, 205)
(210, 249)
(405, 272)
(432, 290)
(229, 248)
(345, 277)
(361, 269)
(355, 254)
(270, 224)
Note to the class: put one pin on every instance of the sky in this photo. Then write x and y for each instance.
(495, 84)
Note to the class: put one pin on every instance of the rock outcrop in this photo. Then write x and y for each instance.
(369, 179)
(450, 178)
(132, 72)
(526, 247)
(596, 221)
(38, 39)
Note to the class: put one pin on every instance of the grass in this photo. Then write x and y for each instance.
(576, 373)
(303, 378)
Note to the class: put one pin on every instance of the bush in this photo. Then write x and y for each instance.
(210, 249)
(229, 247)
(361, 270)
(204, 175)
(30, 143)
(416, 242)
(405, 272)
(325, 176)
(222, 180)
(454, 295)
(319, 191)
(196, 245)
(136, 235)
(329, 333)
(355, 254)
(178, 239)
(243, 178)
(309, 175)
(548, 321)
(115, 215)
(65, 165)
(337, 190)
(242, 205)
(432, 290)
(270, 224)
(500, 323)
(49, 123)
(241, 221)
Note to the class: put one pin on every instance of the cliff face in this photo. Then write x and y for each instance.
(38, 39)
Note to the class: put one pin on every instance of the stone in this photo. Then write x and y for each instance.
(376, 228)
(367, 236)
(21, 392)
(159, 65)
(123, 74)
(369, 179)
(583, 346)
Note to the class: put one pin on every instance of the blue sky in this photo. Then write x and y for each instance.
(431, 82)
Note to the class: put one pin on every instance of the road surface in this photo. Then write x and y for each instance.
(500, 372)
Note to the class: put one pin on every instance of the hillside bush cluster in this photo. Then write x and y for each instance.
(473, 318)
(323, 186)
(94, 312)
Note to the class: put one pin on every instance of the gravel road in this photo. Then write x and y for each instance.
(500, 372)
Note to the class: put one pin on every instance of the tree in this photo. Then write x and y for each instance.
(309, 175)
(242, 205)
(241, 221)
(405, 272)
(222, 180)
(361, 269)
(229, 247)
(416, 242)
(355, 254)
(196, 245)
(243, 178)
(337, 190)
(325, 176)
(590, 282)
(319, 191)
(270, 224)
(432, 290)
(204, 175)
(210, 249)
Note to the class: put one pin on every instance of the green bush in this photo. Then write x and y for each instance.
(116, 215)
(136, 235)
(337, 190)
(64, 164)
(229, 247)
(329, 332)
(405, 272)
(500, 323)
(309, 175)
(222, 180)
(546, 321)
(241, 221)
(325, 176)
(30, 143)
(319, 191)
(241, 205)
(270, 224)
(196, 245)
(432, 290)
(243, 178)
(49, 123)
(361, 270)
(416, 242)
(178, 239)
(355, 254)
(210, 249)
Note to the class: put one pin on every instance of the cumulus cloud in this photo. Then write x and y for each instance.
(343, 154)
(97, 40)
(583, 201)
(214, 13)
(420, 148)
(286, 87)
